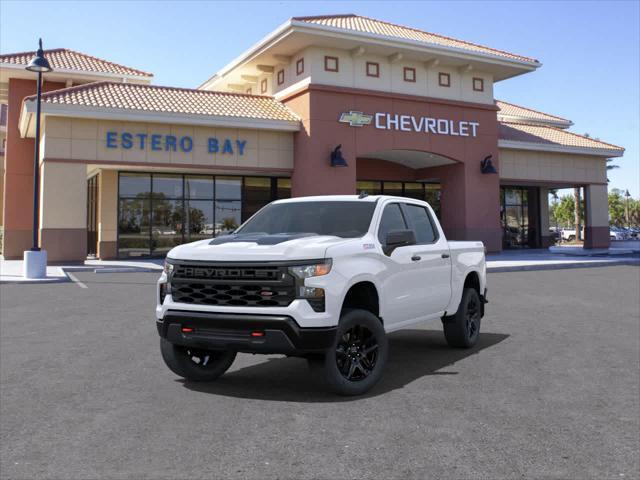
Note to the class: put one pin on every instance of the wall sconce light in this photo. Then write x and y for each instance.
(486, 166)
(337, 160)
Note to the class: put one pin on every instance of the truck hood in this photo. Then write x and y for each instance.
(257, 247)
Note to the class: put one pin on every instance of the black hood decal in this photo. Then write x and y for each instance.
(260, 238)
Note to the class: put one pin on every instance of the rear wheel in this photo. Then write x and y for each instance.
(196, 364)
(462, 329)
(356, 359)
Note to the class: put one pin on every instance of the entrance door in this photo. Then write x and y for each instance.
(92, 216)
(519, 216)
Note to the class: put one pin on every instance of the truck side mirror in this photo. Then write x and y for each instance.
(398, 238)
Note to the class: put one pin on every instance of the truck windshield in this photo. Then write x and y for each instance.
(341, 219)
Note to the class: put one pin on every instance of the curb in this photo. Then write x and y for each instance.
(564, 266)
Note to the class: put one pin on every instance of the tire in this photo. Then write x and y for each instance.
(463, 329)
(195, 364)
(355, 361)
(571, 238)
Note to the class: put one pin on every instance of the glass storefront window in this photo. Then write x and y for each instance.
(159, 211)
(198, 188)
(167, 186)
(228, 188)
(255, 195)
(133, 227)
(228, 216)
(200, 220)
(414, 190)
(372, 188)
(392, 188)
(283, 188)
(432, 194)
(135, 184)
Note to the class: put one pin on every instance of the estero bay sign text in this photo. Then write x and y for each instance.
(171, 143)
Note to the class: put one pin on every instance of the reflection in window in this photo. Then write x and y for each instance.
(167, 186)
(133, 227)
(228, 216)
(135, 184)
(159, 211)
(256, 194)
(200, 220)
(228, 188)
(371, 188)
(200, 188)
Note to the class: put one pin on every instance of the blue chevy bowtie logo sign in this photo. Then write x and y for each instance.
(355, 119)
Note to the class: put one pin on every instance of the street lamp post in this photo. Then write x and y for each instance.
(626, 208)
(35, 260)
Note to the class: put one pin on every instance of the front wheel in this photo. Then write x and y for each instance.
(196, 364)
(355, 361)
(463, 329)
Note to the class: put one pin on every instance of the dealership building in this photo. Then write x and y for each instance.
(323, 105)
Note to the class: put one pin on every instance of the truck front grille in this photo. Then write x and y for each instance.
(224, 285)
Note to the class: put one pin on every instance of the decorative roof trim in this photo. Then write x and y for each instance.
(545, 147)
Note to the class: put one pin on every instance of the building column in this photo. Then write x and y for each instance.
(596, 216)
(107, 214)
(18, 173)
(546, 239)
(312, 170)
(63, 211)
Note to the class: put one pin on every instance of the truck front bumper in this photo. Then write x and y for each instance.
(243, 333)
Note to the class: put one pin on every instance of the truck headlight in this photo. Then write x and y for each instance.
(168, 267)
(312, 270)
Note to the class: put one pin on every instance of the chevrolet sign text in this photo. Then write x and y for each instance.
(438, 126)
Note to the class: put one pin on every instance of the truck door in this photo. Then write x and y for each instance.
(402, 283)
(431, 257)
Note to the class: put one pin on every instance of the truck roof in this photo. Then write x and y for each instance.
(339, 198)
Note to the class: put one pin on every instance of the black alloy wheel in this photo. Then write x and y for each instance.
(357, 353)
(463, 329)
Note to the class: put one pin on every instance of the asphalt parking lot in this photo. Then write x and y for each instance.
(551, 391)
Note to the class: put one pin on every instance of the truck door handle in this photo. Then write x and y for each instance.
(415, 258)
(445, 255)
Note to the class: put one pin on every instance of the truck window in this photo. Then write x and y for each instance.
(392, 219)
(420, 222)
(346, 219)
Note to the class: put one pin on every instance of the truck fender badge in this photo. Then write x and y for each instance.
(368, 246)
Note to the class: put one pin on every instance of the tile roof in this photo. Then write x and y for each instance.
(544, 135)
(152, 98)
(65, 59)
(370, 25)
(512, 110)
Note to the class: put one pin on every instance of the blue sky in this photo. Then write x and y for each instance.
(589, 50)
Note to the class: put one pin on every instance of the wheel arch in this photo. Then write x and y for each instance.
(364, 294)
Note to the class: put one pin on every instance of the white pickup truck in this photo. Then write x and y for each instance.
(325, 278)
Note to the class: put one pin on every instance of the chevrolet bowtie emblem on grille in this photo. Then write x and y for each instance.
(355, 119)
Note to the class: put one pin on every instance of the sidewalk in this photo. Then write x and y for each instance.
(11, 270)
(506, 261)
(544, 259)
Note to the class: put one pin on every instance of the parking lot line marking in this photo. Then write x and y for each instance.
(75, 280)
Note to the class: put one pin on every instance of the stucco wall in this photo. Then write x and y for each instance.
(552, 167)
(85, 140)
(352, 73)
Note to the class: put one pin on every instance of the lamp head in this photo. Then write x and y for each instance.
(337, 160)
(39, 62)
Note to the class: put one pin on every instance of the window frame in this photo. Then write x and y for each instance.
(480, 82)
(280, 76)
(443, 75)
(407, 70)
(377, 67)
(404, 219)
(327, 59)
(263, 85)
(436, 232)
(300, 66)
